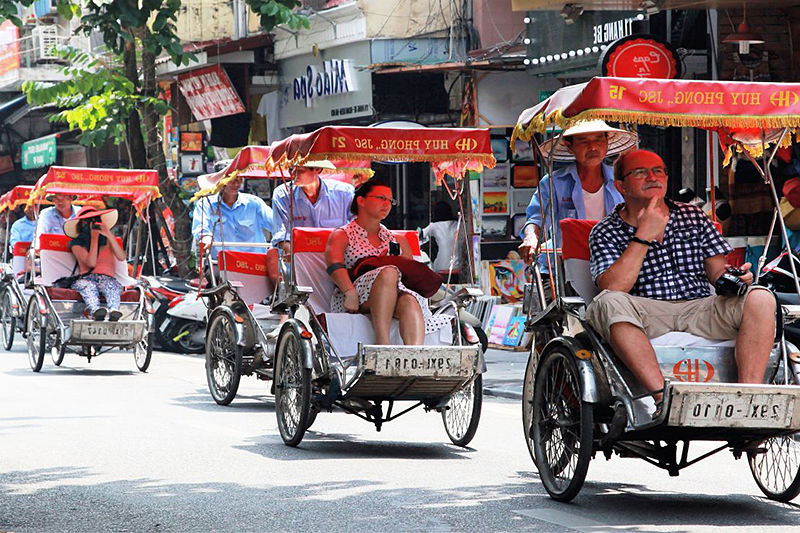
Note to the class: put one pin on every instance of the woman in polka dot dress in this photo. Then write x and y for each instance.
(379, 292)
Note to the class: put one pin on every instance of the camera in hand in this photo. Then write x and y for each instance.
(394, 248)
(729, 284)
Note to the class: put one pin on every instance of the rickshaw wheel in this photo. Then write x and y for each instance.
(223, 360)
(57, 352)
(37, 335)
(292, 389)
(777, 470)
(143, 352)
(464, 412)
(562, 426)
(9, 325)
(527, 402)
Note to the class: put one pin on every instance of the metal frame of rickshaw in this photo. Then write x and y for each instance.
(42, 308)
(330, 374)
(608, 389)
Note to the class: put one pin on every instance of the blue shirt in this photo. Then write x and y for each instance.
(568, 202)
(245, 221)
(49, 222)
(332, 209)
(22, 231)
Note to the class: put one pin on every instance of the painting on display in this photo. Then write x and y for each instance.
(523, 151)
(497, 177)
(500, 149)
(498, 323)
(494, 227)
(505, 278)
(495, 202)
(525, 176)
(520, 198)
(514, 331)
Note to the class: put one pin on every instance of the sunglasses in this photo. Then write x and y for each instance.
(658, 172)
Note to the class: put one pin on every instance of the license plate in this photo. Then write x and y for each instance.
(107, 331)
(418, 365)
(732, 410)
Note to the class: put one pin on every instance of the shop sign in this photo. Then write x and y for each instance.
(209, 93)
(555, 46)
(335, 78)
(39, 153)
(640, 56)
(9, 47)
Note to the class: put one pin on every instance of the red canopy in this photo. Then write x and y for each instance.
(15, 197)
(450, 150)
(138, 186)
(730, 107)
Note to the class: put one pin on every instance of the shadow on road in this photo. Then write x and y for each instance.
(202, 401)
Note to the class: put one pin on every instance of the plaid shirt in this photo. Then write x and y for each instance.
(673, 269)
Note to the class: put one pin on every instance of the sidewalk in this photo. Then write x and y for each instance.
(505, 371)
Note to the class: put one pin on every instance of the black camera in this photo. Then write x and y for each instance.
(394, 248)
(729, 284)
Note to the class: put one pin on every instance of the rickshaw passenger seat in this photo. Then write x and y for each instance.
(247, 271)
(18, 254)
(346, 330)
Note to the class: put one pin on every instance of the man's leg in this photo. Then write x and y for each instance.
(633, 347)
(756, 336)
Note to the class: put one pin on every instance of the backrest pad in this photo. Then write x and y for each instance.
(57, 260)
(249, 269)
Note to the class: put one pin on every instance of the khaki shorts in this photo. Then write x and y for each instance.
(714, 317)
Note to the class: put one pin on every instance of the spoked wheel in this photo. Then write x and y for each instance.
(57, 351)
(464, 412)
(143, 352)
(9, 321)
(777, 470)
(562, 426)
(292, 389)
(37, 335)
(223, 360)
(527, 401)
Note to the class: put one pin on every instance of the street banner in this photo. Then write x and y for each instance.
(39, 153)
(209, 93)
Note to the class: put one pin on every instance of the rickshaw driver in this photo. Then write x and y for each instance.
(584, 189)
(22, 230)
(653, 260)
(318, 203)
(238, 216)
(51, 220)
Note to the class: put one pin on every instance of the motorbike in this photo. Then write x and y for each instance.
(179, 315)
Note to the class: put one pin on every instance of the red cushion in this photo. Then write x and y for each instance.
(21, 248)
(575, 238)
(57, 293)
(315, 239)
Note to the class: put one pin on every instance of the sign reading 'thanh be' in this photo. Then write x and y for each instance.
(38, 153)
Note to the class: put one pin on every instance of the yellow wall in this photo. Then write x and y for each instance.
(203, 20)
(404, 18)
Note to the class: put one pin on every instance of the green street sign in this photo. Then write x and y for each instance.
(39, 153)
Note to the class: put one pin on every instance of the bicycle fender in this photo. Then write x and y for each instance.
(238, 329)
(304, 337)
(582, 356)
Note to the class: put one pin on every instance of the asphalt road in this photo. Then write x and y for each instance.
(102, 447)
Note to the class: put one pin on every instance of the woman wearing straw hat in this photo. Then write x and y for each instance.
(584, 189)
(97, 252)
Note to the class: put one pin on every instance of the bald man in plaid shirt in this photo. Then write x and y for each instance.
(653, 260)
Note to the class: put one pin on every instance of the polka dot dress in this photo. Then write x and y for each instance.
(358, 246)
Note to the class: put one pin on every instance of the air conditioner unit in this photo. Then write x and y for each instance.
(45, 38)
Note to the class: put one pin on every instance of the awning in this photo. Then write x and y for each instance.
(10, 107)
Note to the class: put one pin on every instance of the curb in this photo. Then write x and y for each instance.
(503, 392)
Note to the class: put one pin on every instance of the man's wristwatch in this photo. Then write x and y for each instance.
(649, 244)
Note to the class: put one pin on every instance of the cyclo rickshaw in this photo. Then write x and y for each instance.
(55, 320)
(578, 397)
(318, 360)
(13, 296)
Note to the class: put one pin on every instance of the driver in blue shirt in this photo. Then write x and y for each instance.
(232, 216)
(23, 229)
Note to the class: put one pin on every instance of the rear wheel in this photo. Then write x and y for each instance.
(143, 352)
(562, 426)
(57, 351)
(777, 469)
(223, 359)
(9, 321)
(464, 412)
(37, 335)
(292, 389)
(527, 401)
(184, 331)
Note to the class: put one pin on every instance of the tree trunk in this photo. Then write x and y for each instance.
(156, 160)
(134, 130)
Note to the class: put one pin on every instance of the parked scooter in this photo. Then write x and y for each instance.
(179, 316)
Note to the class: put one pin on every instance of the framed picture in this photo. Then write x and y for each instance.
(494, 227)
(525, 176)
(191, 164)
(520, 198)
(523, 151)
(500, 149)
(497, 177)
(495, 202)
(191, 141)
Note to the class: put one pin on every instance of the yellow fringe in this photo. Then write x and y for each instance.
(96, 189)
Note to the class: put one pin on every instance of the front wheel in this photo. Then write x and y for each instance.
(184, 331)
(292, 389)
(527, 401)
(561, 426)
(223, 359)
(9, 321)
(464, 412)
(37, 335)
(143, 352)
(57, 351)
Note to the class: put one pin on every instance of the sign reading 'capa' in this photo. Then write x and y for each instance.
(335, 78)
